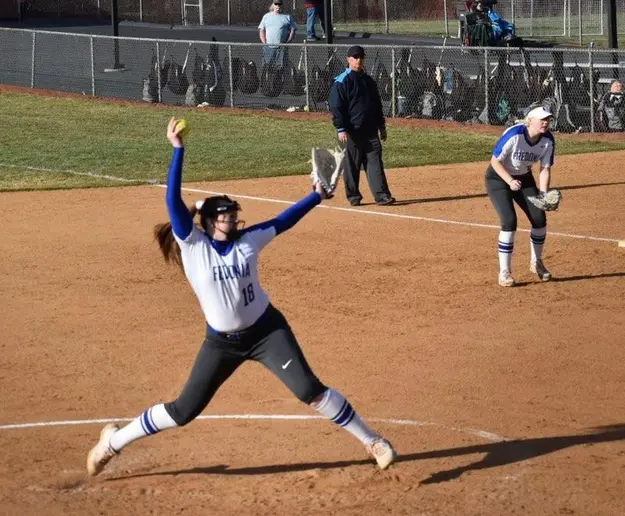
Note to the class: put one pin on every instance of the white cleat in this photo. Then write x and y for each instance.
(102, 452)
(382, 451)
(538, 268)
(506, 279)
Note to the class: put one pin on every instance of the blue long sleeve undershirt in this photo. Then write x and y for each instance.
(291, 216)
(182, 222)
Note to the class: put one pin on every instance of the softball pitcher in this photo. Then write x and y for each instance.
(221, 264)
(509, 178)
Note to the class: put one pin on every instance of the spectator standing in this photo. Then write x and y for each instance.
(275, 30)
(315, 10)
(357, 115)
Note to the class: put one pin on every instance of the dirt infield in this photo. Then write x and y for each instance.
(510, 400)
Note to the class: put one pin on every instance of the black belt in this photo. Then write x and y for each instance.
(238, 335)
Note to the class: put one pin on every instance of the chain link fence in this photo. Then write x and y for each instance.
(572, 19)
(468, 85)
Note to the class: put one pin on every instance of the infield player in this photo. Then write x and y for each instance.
(220, 262)
(509, 179)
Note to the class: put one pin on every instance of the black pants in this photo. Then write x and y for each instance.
(270, 341)
(364, 150)
(502, 198)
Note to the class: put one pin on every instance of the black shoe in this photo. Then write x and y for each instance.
(355, 202)
(385, 201)
(314, 38)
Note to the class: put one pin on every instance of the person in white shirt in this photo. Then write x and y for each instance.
(276, 29)
(220, 260)
(509, 179)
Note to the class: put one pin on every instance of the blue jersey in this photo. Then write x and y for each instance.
(517, 153)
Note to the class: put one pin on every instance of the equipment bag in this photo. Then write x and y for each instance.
(177, 80)
(249, 82)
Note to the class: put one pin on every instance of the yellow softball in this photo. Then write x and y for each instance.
(183, 127)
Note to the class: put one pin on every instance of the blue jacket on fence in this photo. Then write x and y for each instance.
(501, 27)
(355, 103)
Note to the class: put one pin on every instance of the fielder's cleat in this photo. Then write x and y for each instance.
(102, 452)
(382, 451)
(538, 267)
(506, 279)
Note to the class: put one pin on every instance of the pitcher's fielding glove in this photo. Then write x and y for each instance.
(327, 167)
(549, 201)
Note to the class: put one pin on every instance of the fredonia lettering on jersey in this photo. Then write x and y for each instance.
(224, 272)
(520, 155)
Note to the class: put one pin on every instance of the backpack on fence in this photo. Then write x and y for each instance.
(249, 82)
(236, 71)
(150, 90)
(214, 91)
(194, 95)
(321, 82)
(431, 106)
(199, 70)
(408, 84)
(457, 95)
(295, 78)
(271, 78)
(383, 80)
(177, 77)
(150, 83)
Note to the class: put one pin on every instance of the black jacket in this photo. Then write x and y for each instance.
(355, 104)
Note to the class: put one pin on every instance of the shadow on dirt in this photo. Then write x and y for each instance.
(405, 202)
(495, 454)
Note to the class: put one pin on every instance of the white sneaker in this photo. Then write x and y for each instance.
(538, 267)
(382, 451)
(102, 452)
(506, 279)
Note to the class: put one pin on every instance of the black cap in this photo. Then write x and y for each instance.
(355, 51)
(277, 2)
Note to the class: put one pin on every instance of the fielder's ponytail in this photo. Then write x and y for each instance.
(164, 235)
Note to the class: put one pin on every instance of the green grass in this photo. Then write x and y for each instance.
(128, 141)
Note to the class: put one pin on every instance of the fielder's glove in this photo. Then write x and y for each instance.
(549, 201)
(327, 167)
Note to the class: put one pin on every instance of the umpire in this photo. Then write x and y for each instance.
(357, 114)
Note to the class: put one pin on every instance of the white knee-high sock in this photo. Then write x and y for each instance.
(537, 241)
(506, 247)
(152, 421)
(338, 409)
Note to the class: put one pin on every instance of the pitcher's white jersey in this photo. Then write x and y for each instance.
(225, 277)
(517, 153)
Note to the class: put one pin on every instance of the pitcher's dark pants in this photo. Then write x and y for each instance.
(269, 341)
(365, 150)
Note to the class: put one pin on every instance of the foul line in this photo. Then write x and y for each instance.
(153, 182)
(398, 215)
(76, 173)
(282, 417)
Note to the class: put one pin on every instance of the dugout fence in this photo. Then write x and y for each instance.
(493, 86)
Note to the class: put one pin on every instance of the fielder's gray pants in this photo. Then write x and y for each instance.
(363, 150)
(270, 341)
